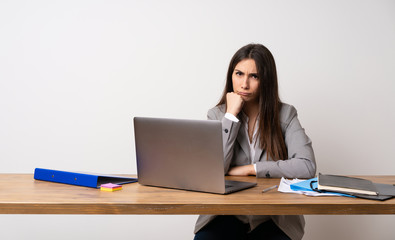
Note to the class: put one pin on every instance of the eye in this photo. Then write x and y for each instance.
(254, 76)
(238, 73)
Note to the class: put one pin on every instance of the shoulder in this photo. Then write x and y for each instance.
(216, 112)
(287, 113)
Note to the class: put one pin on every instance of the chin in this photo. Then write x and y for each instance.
(250, 100)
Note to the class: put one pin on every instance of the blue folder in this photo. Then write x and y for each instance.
(305, 186)
(79, 179)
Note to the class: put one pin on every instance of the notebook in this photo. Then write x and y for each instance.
(357, 187)
(182, 154)
(336, 183)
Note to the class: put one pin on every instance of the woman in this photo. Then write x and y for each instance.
(262, 136)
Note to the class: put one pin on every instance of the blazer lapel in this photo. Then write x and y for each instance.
(258, 152)
(242, 139)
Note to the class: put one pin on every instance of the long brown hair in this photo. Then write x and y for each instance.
(269, 129)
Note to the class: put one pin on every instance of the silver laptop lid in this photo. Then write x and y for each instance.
(176, 153)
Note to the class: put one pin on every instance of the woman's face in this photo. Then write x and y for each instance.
(245, 80)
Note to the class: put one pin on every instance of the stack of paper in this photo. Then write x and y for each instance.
(109, 187)
(311, 188)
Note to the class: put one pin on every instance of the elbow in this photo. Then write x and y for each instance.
(310, 169)
(305, 169)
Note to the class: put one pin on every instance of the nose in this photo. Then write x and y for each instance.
(245, 83)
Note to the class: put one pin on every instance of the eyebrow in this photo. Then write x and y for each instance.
(243, 72)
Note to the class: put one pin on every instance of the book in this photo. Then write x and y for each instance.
(344, 184)
(79, 179)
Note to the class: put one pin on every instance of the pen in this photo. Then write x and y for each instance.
(269, 188)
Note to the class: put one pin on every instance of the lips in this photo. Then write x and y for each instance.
(244, 94)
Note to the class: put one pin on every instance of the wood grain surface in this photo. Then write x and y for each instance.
(21, 194)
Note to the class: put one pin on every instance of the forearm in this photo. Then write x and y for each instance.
(244, 170)
(291, 168)
(230, 130)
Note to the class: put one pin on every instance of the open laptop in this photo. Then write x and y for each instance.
(182, 154)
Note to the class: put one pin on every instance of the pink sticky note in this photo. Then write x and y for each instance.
(110, 185)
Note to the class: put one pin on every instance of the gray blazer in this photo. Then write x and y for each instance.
(300, 162)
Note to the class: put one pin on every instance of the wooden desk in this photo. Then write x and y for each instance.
(21, 194)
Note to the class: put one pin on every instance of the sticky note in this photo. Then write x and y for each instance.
(110, 187)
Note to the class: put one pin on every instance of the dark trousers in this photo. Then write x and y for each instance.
(229, 228)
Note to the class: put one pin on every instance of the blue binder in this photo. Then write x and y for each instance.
(79, 179)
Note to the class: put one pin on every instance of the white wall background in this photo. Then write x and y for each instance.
(74, 73)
